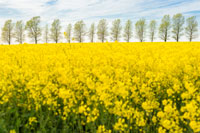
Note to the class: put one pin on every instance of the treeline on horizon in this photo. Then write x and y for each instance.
(175, 27)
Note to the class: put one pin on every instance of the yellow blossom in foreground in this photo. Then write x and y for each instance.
(195, 126)
(12, 131)
(32, 120)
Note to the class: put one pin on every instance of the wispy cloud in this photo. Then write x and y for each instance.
(84, 9)
(51, 2)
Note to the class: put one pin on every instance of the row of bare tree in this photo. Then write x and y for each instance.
(174, 27)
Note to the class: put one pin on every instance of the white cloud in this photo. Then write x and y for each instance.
(88, 9)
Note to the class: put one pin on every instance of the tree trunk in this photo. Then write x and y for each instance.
(35, 39)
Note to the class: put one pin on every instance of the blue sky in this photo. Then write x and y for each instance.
(70, 11)
(92, 10)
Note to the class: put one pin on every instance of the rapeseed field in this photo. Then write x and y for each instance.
(100, 87)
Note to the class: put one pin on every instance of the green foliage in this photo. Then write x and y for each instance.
(178, 22)
(79, 31)
(7, 31)
(191, 28)
(46, 33)
(116, 30)
(92, 32)
(152, 30)
(69, 33)
(102, 30)
(128, 33)
(19, 32)
(140, 29)
(164, 28)
(55, 34)
(33, 28)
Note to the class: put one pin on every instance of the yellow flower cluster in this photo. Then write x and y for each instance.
(32, 120)
(12, 131)
(100, 87)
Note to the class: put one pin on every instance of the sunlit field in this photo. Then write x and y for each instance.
(100, 87)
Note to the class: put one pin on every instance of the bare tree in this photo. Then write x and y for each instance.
(79, 31)
(102, 30)
(152, 30)
(140, 29)
(191, 28)
(165, 28)
(128, 33)
(46, 33)
(68, 33)
(55, 34)
(34, 30)
(7, 31)
(92, 32)
(116, 30)
(178, 21)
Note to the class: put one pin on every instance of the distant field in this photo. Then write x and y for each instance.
(100, 87)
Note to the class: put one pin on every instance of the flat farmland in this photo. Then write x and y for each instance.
(100, 87)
